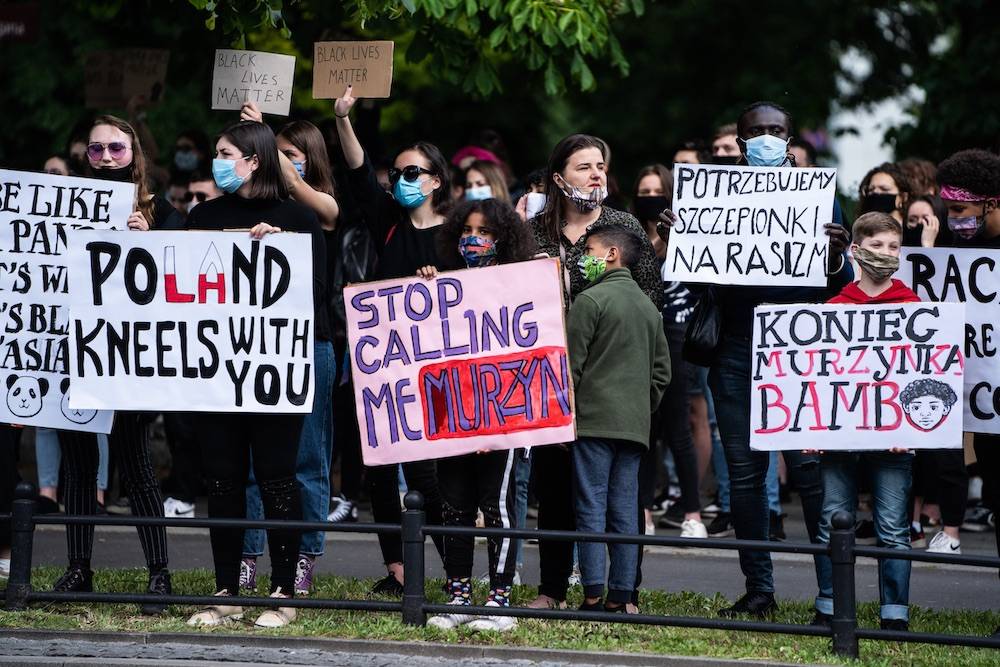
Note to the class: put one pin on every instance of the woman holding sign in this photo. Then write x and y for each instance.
(114, 153)
(404, 225)
(247, 169)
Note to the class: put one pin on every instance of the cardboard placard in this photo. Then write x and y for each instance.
(253, 76)
(39, 214)
(192, 321)
(365, 65)
(455, 365)
(972, 276)
(112, 78)
(750, 225)
(857, 377)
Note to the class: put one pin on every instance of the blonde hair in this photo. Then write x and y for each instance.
(143, 197)
(494, 177)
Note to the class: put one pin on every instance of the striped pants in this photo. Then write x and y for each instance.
(129, 445)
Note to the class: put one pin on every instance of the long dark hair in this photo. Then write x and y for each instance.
(143, 197)
(666, 180)
(254, 138)
(893, 171)
(515, 242)
(441, 198)
(554, 212)
(307, 138)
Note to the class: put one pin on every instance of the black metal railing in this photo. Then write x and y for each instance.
(414, 607)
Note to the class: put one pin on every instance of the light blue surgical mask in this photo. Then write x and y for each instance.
(408, 193)
(766, 150)
(300, 166)
(478, 193)
(224, 173)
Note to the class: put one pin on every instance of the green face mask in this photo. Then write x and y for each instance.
(592, 267)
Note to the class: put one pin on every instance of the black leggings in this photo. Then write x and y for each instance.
(227, 441)
(10, 439)
(940, 475)
(383, 485)
(128, 443)
(552, 480)
(485, 482)
(988, 456)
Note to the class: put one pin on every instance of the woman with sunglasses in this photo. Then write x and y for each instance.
(247, 169)
(405, 226)
(114, 153)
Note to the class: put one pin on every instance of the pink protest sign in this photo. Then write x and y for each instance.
(471, 360)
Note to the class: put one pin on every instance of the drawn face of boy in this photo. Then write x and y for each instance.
(926, 412)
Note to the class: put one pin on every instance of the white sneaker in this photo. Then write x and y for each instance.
(650, 529)
(493, 623)
(451, 621)
(4, 568)
(342, 510)
(177, 509)
(693, 528)
(574, 578)
(943, 543)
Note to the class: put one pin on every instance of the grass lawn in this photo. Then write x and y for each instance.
(546, 634)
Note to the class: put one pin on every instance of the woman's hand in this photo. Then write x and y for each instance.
(667, 220)
(812, 452)
(343, 104)
(427, 272)
(261, 229)
(522, 208)
(249, 111)
(137, 221)
(899, 450)
(928, 237)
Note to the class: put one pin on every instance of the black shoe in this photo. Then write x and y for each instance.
(75, 579)
(159, 584)
(597, 606)
(776, 529)
(821, 619)
(721, 526)
(753, 603)
(45, 505)
(896, 624)
(673, 517)
(389, 586)
(996, 635)
(620, 609)
(864, 532)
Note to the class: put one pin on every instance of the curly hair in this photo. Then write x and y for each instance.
(921, 174)
(514, 240)
(928, 387)
(974, 170)
(893, 171)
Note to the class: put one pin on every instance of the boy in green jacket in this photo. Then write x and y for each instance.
(621, 367)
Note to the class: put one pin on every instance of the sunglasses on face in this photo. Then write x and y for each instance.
(410, 173)
(188, 196)
(95, 151)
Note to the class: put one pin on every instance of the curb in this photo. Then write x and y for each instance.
(368, 647)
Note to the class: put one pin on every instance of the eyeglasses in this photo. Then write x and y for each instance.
(410, 173)
(95, 151)
(188, 196)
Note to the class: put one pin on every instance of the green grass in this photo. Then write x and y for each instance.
(602, 637)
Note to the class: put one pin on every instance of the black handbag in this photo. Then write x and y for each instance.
(704, 331)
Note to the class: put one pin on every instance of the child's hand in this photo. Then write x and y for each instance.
(427, 272)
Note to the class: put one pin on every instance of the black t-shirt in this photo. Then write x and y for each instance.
(402, 248)
(236, 212)
(165, 216)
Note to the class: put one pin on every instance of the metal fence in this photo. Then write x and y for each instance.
(414, 607)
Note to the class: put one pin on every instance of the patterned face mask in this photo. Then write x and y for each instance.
(592, 267)
(477, 251)
(880, 267)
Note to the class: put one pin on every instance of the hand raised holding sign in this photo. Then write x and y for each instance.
(667, 220)
(840, 238)
(262, 229)
(137, 221)
(249, 111)
(343, 104)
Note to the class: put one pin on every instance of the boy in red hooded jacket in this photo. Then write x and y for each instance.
(877, 238)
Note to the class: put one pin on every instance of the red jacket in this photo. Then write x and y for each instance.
(898, 292)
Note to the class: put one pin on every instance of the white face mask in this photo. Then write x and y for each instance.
(535, 204)
(478, 193)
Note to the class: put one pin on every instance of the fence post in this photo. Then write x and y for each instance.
(21, 542)
(413, 559)
(845, 609)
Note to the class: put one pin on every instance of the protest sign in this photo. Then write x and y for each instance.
(750, 225)
(253, 76)
(365, 65)
(192, 321)
(38, 213)
(969, 276)
(472, 360)
(112, 78)
(857, 377)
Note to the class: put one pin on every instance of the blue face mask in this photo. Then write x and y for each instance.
(300, 167)
(186, 160)
(766, 150)
(408, 193)
(224, 173)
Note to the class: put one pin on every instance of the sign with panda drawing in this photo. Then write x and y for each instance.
(38, 216)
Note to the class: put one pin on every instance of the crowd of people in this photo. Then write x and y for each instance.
(663, 442)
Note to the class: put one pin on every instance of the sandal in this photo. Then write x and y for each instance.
(277, 617)
(546, 602)
(216, 614)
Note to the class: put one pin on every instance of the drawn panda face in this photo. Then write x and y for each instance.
(75, 415)
(24, 394)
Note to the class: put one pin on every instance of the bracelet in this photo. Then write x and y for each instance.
(339, 116)
(841, 267)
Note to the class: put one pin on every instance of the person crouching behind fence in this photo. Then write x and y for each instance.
(621, 367)
(479, 233)
(877, 239)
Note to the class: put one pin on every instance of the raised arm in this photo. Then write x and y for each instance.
(354, 154)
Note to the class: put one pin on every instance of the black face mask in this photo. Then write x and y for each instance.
(648, 209)
(120, 174)
(77, 166)
(878, 202)
(730, 160)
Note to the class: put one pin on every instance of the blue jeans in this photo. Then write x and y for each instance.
(730, 382)
(48, 457)
(891, 480)
(312, 467)
(773, 484)
(522, 472)
(606, 475)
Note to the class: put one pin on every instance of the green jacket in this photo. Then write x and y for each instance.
(619, 358)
